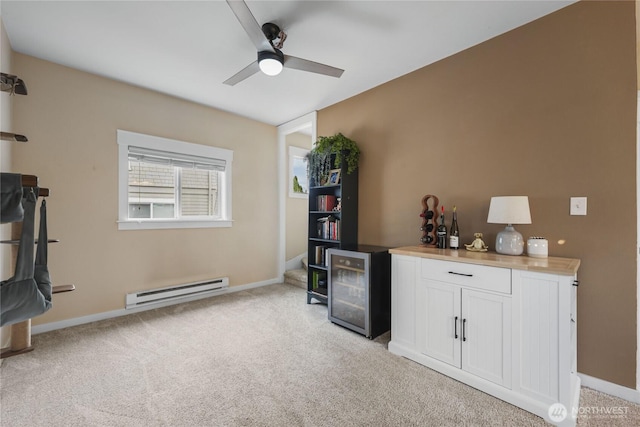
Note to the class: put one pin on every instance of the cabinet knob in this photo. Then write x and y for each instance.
(576, 283)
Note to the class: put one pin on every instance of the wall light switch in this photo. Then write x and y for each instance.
(578, 206)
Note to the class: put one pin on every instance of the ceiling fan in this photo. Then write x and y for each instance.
(270, 60)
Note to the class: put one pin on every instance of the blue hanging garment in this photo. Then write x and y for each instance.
(28, 293)
(10, 198)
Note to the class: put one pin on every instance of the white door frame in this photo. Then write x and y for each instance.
(284, 130)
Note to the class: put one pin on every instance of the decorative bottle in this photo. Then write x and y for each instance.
(441, 232)
(454, 233)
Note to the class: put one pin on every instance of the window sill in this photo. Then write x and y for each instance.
(171, 224)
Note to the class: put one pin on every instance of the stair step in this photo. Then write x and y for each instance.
(296, 277)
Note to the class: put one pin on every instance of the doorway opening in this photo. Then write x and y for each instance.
(295, 138)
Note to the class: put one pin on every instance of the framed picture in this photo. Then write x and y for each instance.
(298, 180)
(334, 177)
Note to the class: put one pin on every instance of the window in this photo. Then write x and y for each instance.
(165, 183)
(298, 179)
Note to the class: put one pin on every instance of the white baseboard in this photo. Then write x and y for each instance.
(46, 327)
(607, 387)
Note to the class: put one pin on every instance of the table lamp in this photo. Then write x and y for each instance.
(509, 210)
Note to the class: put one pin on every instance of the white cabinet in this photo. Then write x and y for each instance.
(466, 328)
(504, 325)
(403, 325)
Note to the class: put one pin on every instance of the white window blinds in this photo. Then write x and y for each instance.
(168, 158)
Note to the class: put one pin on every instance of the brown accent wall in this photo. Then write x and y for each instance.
(71, 118)
(547, 110)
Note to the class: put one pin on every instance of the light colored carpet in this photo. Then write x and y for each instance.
(254, 358)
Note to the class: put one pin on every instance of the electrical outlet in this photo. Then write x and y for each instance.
(578, 206)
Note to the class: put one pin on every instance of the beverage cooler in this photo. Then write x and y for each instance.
(359, 289)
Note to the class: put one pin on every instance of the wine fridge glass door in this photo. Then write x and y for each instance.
(348, 295)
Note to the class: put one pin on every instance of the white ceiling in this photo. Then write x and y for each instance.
(188, 48)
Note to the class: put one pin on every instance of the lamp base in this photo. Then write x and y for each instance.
(509, 242)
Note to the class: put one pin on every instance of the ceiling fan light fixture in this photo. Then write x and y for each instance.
(271, 63)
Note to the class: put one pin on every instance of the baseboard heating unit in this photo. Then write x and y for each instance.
(178, 293)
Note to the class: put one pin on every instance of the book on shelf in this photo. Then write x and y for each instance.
(326, 202)
(328, 228)
(321, 256)
(318, 280)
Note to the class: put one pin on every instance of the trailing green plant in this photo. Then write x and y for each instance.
(341, 146)
(318, 166)
(319, 158)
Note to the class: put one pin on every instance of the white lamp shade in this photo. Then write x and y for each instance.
(509, 210)
(270, 67)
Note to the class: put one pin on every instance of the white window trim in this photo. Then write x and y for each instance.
(126, 138)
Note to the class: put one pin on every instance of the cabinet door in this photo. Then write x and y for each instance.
(539, 319)
(404, 270)
(438, 320)
(486, 336)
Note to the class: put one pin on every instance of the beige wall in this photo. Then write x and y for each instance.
(296, 208)
(6, 270)
(5, 146)
(71, 119)
(547, 110)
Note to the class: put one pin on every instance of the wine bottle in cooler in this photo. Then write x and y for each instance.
(441, 232)
(454, 232)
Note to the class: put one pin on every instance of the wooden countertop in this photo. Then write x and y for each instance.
(555, 265)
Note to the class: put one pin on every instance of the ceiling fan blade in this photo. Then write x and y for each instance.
(313, 67)
(247, 71)
(250, 25)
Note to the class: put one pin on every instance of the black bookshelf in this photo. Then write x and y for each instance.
(340, 232)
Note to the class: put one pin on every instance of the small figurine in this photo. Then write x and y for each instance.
(477, 245)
